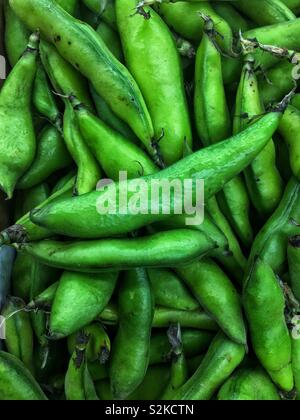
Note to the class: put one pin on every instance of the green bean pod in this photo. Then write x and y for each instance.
(222, 358)
(217, 164)
(16, 37)
(111, 39)
(21, 275)
(263, 180)
(79, 44)
(294, 264)
(131, 347)
(24, 229)
(270, 11)
(19, 335)
(179, 366)
(194, 342)
(106, 115)
(214, 125)
(235, 262)
(79, 385)
(289, 129)
(217, 296)
(88, 171)
(70, 6)
(169, 291)
(284, 34)
(236, 21)
(157, 250)
(51, 156)
(105, 9)
(296, 362)
(164, 317)
(78, 300)
(272, 240)
(44, 300)
(114, 152)
(16, 382)
(16, 127)
(294, 5)
(191, 27)
(249, 384)
(98, 347)
(276, 82)
(157, 69)
(264, 306)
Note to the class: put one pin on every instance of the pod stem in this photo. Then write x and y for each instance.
(213, 34)
(75, 102)
(14, 234)
(33, 43)
(282, 105)
(175, 339)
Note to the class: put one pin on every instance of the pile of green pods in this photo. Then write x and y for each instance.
(111, 109)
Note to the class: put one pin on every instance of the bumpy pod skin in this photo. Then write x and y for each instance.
(214, 125)
(222, 358)
(114, 152)
(217, 296)
(51, 156)
(263, 180)
(217, 165)
(157, 250)
(19, 335)
(79, 44)
(264, 306)
(16, 382)
(17, 145)
(131, 347)
(78, 300)
(156, 67)
(249, 384)
(289, 129)
(270, 11)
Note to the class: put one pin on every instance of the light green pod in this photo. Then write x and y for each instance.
(249, 384)
(78, 300)
(170, 291)
(222, 358)
(296, 361)
(227, 11)
(51, 156)
(18, 331)
(289, 129)
(16, 35)
(111, 39)
(157, 69)
(263, 180)
(17, 145)
(16, 382)
(79, 44)
(157, 250)
(79, 385)
(131, 347)
(264, 305)
(88, 171)
(216, 164)
(270, 11)
(217, 296)
(114, 152)
(214, 125)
